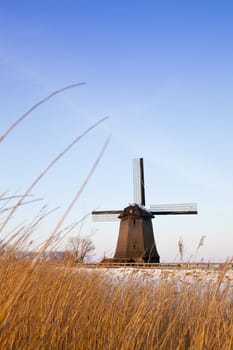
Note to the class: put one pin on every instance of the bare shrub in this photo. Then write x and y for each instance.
(80, 248)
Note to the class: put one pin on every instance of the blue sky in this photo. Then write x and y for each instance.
(162, 71)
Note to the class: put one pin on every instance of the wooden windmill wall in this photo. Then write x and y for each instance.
(136, 238)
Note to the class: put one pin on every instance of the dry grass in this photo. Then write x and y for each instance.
(56, 308)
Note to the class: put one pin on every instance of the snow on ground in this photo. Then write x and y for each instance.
(203, 276)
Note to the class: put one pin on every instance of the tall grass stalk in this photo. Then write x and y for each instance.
(44, 172)
(13, 300)
(35, 106)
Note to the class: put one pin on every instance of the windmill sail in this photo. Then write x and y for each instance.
(138, 181)
(106, 215)
(174, 209)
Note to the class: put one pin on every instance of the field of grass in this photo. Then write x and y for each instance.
(47, 306)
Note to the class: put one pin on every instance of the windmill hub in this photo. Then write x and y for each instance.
(136, 238)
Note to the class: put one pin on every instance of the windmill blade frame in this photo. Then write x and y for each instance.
(174, 209)
(106, 215)
(105, 218)
(138, 181)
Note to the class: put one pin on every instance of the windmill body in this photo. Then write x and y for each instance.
(136, 238)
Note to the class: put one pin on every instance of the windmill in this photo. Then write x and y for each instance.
(136, 239)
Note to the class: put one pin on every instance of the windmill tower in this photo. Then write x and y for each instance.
(136, 238)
